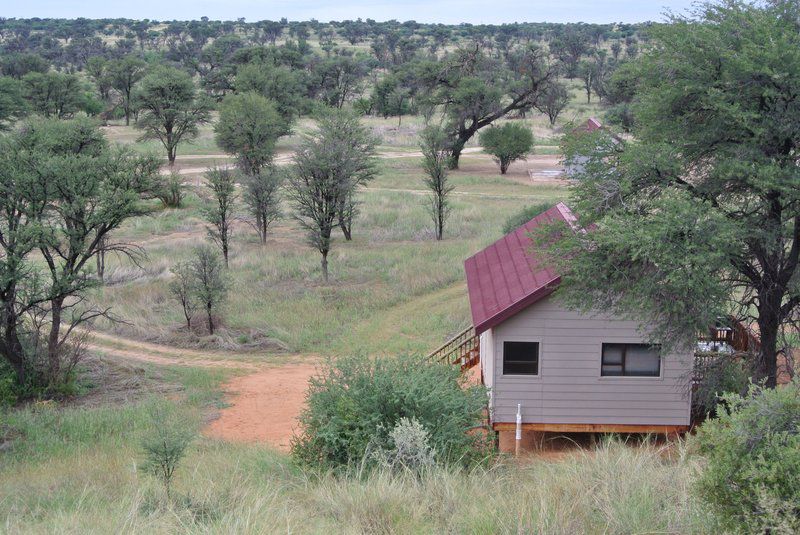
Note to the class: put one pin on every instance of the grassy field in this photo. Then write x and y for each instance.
(277, 295)
(76, 471)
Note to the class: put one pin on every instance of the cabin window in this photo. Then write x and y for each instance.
(520, 358)
(631, 360)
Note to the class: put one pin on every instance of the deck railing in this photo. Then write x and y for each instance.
(734, 333)
(462, 349)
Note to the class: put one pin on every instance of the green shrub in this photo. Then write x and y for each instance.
(721, 374)
(356, 402)
(164, 447)
(523, 216)
(507, 143)
(409, 449)
(8, 392)
(752, 480)
(171, 191)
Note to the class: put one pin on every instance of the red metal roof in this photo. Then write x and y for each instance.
(507, 276)
(593, 124)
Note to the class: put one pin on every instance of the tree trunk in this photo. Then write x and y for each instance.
(455, 152)
(210, 320)
(766, 367)
(324, 264)
(503, 167)
(101, 263)
(440, 219)
(347, 228)
(53, 356)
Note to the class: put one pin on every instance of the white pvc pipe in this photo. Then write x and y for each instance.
(518, 436)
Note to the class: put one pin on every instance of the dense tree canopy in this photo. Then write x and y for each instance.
(63, 191)
(699, 215)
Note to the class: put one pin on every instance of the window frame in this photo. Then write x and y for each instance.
(626, 346)
(523, 341)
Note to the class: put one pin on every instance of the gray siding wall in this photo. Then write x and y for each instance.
(569, 388)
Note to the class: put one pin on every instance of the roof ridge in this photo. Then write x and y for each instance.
(515, 277)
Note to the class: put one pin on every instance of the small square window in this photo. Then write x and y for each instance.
(631, 360)
(520, 358)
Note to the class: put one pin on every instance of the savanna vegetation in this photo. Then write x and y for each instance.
(252, 195)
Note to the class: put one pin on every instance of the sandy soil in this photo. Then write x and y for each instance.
(264, 406)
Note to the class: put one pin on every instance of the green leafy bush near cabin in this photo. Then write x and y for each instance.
(521, 217)
(356, 402)
(752, 480)
(721, 375)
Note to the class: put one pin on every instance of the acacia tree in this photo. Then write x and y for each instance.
(64, 190)
(553, 101)
(507, 143)
(123, 75)
(209, 284)
(249, 126)
(476, 89)
(181, 288)
(262, 198)
(221, 183)
(327, 168)
(171, 109)
(699, 215)
(435, 157)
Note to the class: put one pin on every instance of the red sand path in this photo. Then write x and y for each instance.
(264, 406)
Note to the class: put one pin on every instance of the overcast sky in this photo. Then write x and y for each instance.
(445, 11)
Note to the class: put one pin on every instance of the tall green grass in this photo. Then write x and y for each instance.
(246, 489)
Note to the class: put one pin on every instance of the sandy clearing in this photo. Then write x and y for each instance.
(264, 406)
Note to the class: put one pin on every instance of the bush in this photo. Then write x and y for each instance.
(409, 449)
(355, 403)
(171, 191)
(721, 374)
(164, 447)
(523, 216)
(507, 143)
(752, 480)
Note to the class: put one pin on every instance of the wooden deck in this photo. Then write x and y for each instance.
(592, 428)
(463, 349)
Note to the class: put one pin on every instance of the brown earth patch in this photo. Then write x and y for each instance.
(265, 406)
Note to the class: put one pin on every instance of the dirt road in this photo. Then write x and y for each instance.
(263, 404)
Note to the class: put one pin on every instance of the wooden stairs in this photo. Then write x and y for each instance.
(463, 350)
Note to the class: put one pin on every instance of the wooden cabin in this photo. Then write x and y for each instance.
(561, 370)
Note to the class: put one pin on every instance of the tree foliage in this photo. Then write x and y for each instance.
(170, 108)
(64, 190)
(699, 215)
(752, 481)
(219, 209)
(262, 198)
(476, 89)
(249, 126)
(209, 283)
(328, 167)
(435, 157)
(507, 143)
